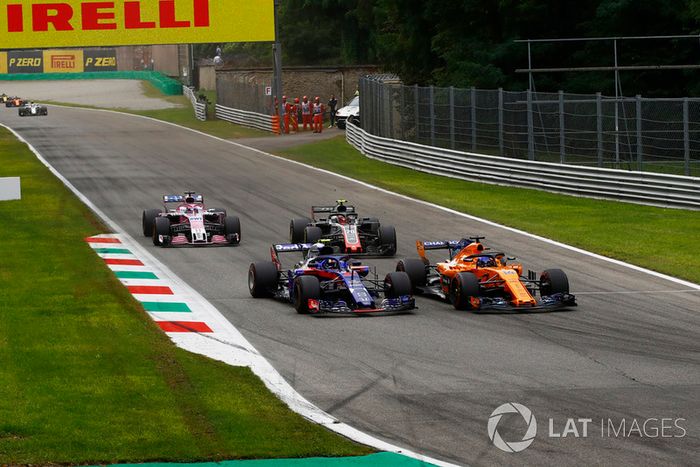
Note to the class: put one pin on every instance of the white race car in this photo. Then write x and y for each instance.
(30, 109)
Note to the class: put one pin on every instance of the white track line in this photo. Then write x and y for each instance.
(233, 349)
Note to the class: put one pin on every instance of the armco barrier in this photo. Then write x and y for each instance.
(250, 119)
(200, 108)
(167, 85)
(638, 187)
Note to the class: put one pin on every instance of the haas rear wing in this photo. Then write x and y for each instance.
(339, 208)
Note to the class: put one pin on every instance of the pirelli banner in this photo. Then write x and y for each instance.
(28, 24)
(58, 61)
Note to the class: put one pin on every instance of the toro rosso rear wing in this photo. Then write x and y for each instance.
(276, 249)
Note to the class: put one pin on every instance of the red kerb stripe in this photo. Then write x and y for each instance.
(150, 289)
(102, 240)
(123, 262)
(183, 326)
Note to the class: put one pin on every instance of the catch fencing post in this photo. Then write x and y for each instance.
(452, 117)
(432, 116)
(401, 114)
(686, 137)
(562, 129)
(599, 115)
(390, 109)
(417, 117)
(473, 117)
(640, 149)
(530, 129)
(500, 121)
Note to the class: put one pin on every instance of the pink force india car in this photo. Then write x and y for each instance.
(190, 223)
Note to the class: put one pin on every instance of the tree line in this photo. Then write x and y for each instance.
(466, 43)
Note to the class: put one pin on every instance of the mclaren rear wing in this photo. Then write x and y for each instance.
(452, 245)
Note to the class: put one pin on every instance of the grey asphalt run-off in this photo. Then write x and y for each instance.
(121, 93)
(429, 381)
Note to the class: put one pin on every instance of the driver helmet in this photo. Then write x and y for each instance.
(189, 200)
(485, 261)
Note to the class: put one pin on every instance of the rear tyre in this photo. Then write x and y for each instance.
(161, 228)
(296, 229)
(397, 284)
(232, 229)
(148, 219)
(312, 234)
(262, 279)
(387, 239)
(415, 268)
(306, 288)
(465, 286)
(553, 281)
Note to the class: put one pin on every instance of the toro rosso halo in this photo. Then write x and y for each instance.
(190, 223)
(474, 278)
(324, 284)
(345, 231)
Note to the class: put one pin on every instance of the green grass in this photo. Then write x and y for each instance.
(85, 374)
(664, 240)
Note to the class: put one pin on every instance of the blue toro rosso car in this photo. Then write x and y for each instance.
(326, 284)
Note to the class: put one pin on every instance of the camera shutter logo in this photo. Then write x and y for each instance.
(514, 446)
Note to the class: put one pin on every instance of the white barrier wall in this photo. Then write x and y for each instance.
(10, 189)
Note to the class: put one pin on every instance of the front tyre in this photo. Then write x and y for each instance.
(553, 281)
(263, 279)
(312, 234)
(148, 219)
(464, 291)
(161, 231)
(397, 284)
(306, 288)
(232, 230)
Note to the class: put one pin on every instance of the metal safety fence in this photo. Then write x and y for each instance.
(640, 134)
(200, 108)
(651, 188)
(244, 95)
(250, 119)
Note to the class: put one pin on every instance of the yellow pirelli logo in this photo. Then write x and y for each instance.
(63, 61)
(75, 23)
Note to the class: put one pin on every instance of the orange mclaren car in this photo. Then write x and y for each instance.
(475, 278)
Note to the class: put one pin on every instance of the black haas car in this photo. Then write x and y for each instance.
(343, 229)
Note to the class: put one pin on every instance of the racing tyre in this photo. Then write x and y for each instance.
(553, 281)
(296, 229)
(397, 284)
(312, 234)
(161, 227)
(370, 225)
(465, 286)
(262, 279)
(340, 124)
(232, 229)
(387, 240)
(148, 220)
(415, 269)
(306, 288)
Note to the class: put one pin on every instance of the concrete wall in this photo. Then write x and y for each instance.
(207, 77)
(303, 81)
(163, 58)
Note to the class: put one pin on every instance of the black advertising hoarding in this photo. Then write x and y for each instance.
(25, 61)
(100, 59)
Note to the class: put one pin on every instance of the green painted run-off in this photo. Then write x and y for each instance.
(135, 275)
(382, 459)
(170, 307)
(112, 251)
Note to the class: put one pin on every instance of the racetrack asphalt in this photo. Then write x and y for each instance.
(429, 381)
